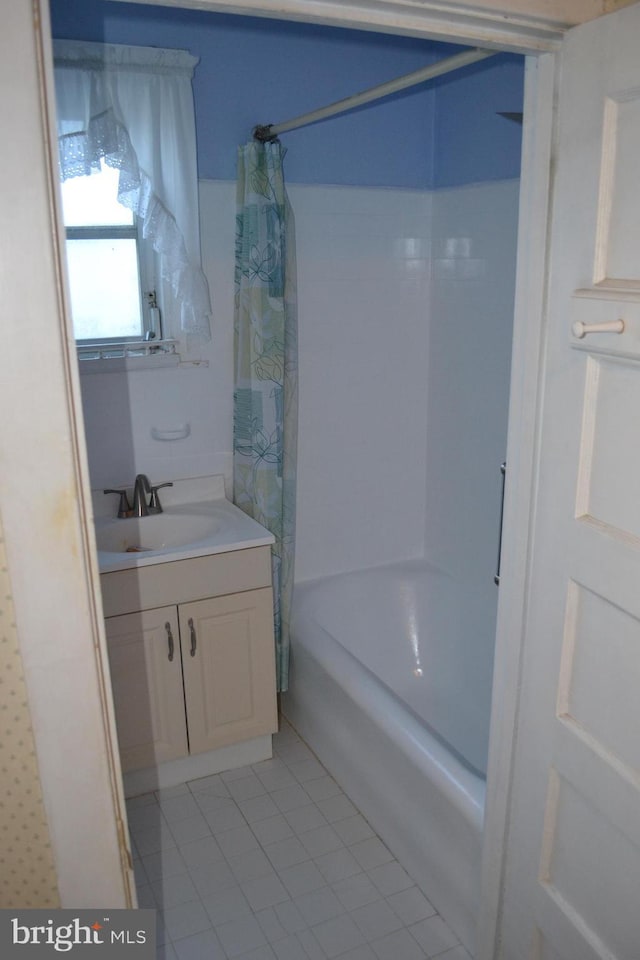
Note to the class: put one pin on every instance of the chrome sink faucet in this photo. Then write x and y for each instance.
(141, 489)
(141, 506)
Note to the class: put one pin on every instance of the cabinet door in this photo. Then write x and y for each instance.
(229, 668)
(146, 677)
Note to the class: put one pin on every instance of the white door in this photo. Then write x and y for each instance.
(572, 879)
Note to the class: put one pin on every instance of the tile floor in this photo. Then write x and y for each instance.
(274, 862)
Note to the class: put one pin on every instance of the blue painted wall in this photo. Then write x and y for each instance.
(255, 70)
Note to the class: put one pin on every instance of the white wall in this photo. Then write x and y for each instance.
(363, 269)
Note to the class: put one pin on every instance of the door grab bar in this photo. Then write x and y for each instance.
(580, 329)
(503, 471)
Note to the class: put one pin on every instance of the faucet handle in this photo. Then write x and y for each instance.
(124, 509)
(154, 501)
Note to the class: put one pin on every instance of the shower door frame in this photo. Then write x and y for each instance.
(27, 538)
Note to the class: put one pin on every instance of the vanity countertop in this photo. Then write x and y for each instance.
(197, 520)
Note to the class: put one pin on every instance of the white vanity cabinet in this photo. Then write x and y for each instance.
(197, 674)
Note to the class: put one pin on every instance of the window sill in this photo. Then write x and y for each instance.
(122, 357)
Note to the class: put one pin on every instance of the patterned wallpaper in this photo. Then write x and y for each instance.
(27, 873)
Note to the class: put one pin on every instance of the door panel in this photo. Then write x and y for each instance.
(147, 687)
(572, 877)
(228, 659)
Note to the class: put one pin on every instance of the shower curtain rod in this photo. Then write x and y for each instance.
(270, 131)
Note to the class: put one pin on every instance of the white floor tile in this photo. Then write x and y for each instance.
(164, 864)
(174, 890)
(238, 773)
(258, 808)
(264, 891)
(193, 828)
(321, 840)
(371, 853)
(270, 924)
(200, 946)
(275, 777)
(227, 904)
(356, 891)
(290, 949)
(290, 917)
(319, 905)
(305, 770)
(239, 839)
(142, 800)
(146, 899)
(186, 920)
(322, 788)
(250, 865)
(246, 788)
(434, 935)
(397, 946)
(198, 853)
(286, 853)
(260, 953)
(152, 839)
(213, 785)
(338, 935)
(167, 793)
(457, 953)
(210, 878)
(288, 798)
(179, 807)
(302, 878)
(311, 945)
(375, 920)
(240, 936)
(272, 829)
(337, 865)
(337, 808)
(209, 803)
(224, 818)
(273, 862)
(390, 878)
(293, 753)
(166, 951)
(360, 953)
(411, 905)
(353, 830)
(305, 818)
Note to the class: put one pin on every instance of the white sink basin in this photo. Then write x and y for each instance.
(184, 530)
(161, 531)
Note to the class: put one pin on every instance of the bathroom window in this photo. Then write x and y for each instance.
(128, 174)
(110, 268)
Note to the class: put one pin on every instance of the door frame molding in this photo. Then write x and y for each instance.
(85, 630)
(525, 414)
(454, 21)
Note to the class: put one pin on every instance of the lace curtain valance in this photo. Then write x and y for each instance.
(133, 107)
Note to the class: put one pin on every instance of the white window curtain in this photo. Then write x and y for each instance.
(133, 106)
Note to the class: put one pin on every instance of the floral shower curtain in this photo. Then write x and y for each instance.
(266, 385)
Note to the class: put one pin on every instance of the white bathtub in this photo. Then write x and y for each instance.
(390, 684)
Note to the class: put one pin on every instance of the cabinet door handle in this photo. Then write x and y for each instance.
(192, 631)
(167, 627)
